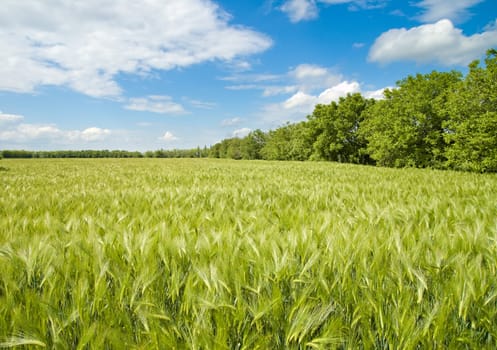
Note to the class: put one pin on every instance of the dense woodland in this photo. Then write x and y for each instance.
(440, 120)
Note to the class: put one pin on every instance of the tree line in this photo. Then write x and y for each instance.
(70, 154)
(438, 120)
(175, 153)
(441, 120)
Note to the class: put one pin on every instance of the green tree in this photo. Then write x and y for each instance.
(472, 124)
(252, 144)
(334, 129)
(214, 150)
(407, 127)
(234, 150)
(223, 148)
(288, 142)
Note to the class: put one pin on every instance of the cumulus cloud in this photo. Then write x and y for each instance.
(306, 71)
(433, 10)
(377, 94)
(307, 101)
(155, 104)
(304, 10)
(340, 90)
(241, 132)
(94, 134)
(85, 45)
(169, 137)
(36, 132)
(300, 101)
(299, 105)
(10, 118)
(300, 10)
(302, 87)
(25, 132)
(438, 42)
(455, 10)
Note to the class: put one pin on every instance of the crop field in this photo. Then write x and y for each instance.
(219, 254)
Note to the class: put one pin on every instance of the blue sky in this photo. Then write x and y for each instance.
(145, 75)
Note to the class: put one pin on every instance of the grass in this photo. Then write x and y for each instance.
(217, 254)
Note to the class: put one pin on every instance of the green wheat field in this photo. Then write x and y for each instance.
(220, 254)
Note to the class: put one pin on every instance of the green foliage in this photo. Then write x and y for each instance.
(216, 254)
(472, 124)
(227, 148)
(406, 129)
(161, 153)
(436, 120)
(71, 154)
(178, 153)
(252, 144)
(17, 154)
(335, 129)
(288, 142)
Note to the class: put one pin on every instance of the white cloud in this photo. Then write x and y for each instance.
(251, 78)
(10, 118)
(241, 132)
(337, 2)
(202, 104)
(301, 104)
(155, 104)
(492, 26)
(306, 71)
(454, 10)
(306, 102)
(51, 133)
(94, 134)
(340, 90)
(366, 4)
(33, 131)
(304, 77)
(231, 122)
(85, 45)
(169, 137)
(439, 42)
(278, 90)
(240, 66)
(304, 10)
(377, 94)
(242, 87)
(300, 10)
(300, 101)
(310, 77)
(305, 85)
(355, 5)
